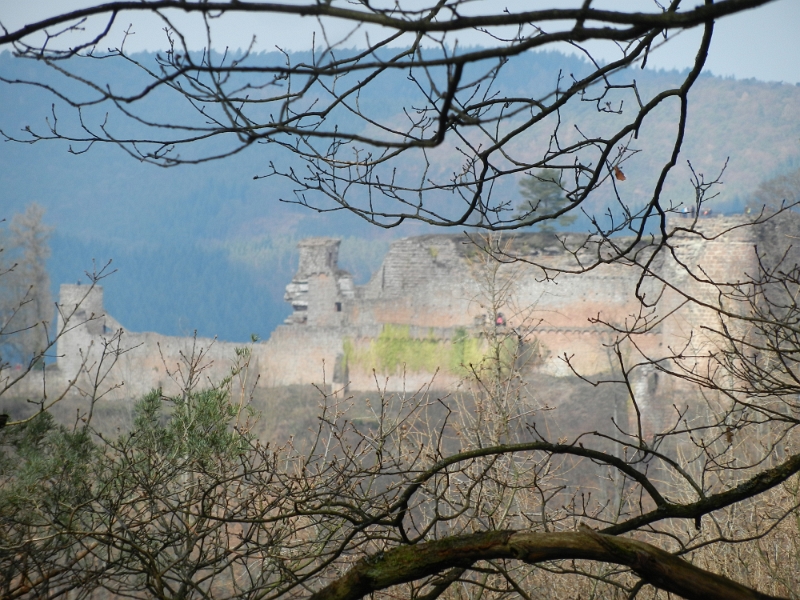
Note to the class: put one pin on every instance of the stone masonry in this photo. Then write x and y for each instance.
(432, 292)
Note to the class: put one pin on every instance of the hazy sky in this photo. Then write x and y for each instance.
(763, 43)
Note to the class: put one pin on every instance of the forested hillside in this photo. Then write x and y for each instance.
(207, 247)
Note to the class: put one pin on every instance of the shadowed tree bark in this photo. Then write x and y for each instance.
(661, 569)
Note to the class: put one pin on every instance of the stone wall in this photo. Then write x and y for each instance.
(96, 352)
(430, 305)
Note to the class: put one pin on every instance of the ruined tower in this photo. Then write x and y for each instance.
(82, 318)
(319, 290)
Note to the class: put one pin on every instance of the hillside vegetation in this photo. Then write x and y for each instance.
(208, 248)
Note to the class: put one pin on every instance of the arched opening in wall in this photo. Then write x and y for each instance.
(338, 307)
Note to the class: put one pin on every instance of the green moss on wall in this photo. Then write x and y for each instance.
(395, 347)
(465, 350)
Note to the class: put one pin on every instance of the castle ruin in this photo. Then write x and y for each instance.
(422, 317)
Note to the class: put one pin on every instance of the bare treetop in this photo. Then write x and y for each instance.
(449, 131)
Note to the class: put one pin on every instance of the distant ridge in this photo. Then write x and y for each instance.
(108, 205)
